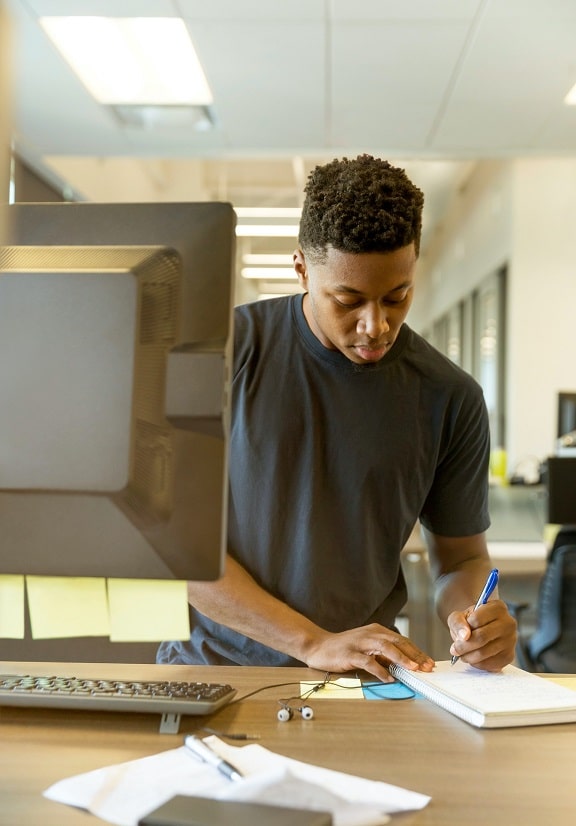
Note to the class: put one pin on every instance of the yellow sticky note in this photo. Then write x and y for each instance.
(148, 610)
(67, 607)
(12, 607)
(551, 531)
(346, 688)
(568, 681)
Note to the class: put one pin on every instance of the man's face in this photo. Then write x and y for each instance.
(357, 302)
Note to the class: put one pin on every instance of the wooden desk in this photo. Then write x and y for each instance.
(499, 777)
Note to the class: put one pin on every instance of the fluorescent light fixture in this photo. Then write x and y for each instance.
(268, 212)
(282, 273)
(267, 230)
(570, 98)
(197, 118)
(264, 259)
(136, 60)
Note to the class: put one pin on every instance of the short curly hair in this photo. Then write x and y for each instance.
(360, 205)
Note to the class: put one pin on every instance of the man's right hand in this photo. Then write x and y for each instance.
(238, 602)
(368, 648)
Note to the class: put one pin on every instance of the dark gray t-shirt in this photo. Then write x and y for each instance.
(331, 466)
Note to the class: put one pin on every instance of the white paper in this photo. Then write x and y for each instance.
(124, 793)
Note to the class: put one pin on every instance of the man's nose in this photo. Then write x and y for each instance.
(373, 321)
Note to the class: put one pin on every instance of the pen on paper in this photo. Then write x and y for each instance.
(207, 755)
(487, 591)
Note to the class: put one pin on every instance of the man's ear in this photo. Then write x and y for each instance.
(299, 261)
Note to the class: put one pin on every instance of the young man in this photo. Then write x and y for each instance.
(348, 428)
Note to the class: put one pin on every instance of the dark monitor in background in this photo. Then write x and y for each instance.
(566, 413)
(561, 488)
(115, 346)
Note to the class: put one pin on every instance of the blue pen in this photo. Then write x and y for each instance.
(487, 591)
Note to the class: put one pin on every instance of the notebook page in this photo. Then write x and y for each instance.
(510, 691)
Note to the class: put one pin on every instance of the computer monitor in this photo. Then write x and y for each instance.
(566, 413)
(561, 488)
(115, 346)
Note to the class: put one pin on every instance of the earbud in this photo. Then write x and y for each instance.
(287, 712)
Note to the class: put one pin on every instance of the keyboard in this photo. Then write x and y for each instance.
(170, 699)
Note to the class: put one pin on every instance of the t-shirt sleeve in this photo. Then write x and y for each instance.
(457, 503)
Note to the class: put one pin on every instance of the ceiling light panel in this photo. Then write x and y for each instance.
(268, 212)
(263, 259)
(267, 230)
(140, 60)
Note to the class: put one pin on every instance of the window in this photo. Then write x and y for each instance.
(488, 356)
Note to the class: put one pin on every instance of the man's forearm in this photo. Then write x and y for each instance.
(238, 602)
(459, 567)
(459, 589)
(486, 638)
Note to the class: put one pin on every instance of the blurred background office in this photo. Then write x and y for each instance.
(470, 96)
(474, 98)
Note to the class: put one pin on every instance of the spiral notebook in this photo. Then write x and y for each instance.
(511, 697)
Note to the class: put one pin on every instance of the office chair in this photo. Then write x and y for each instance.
(552, 646)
